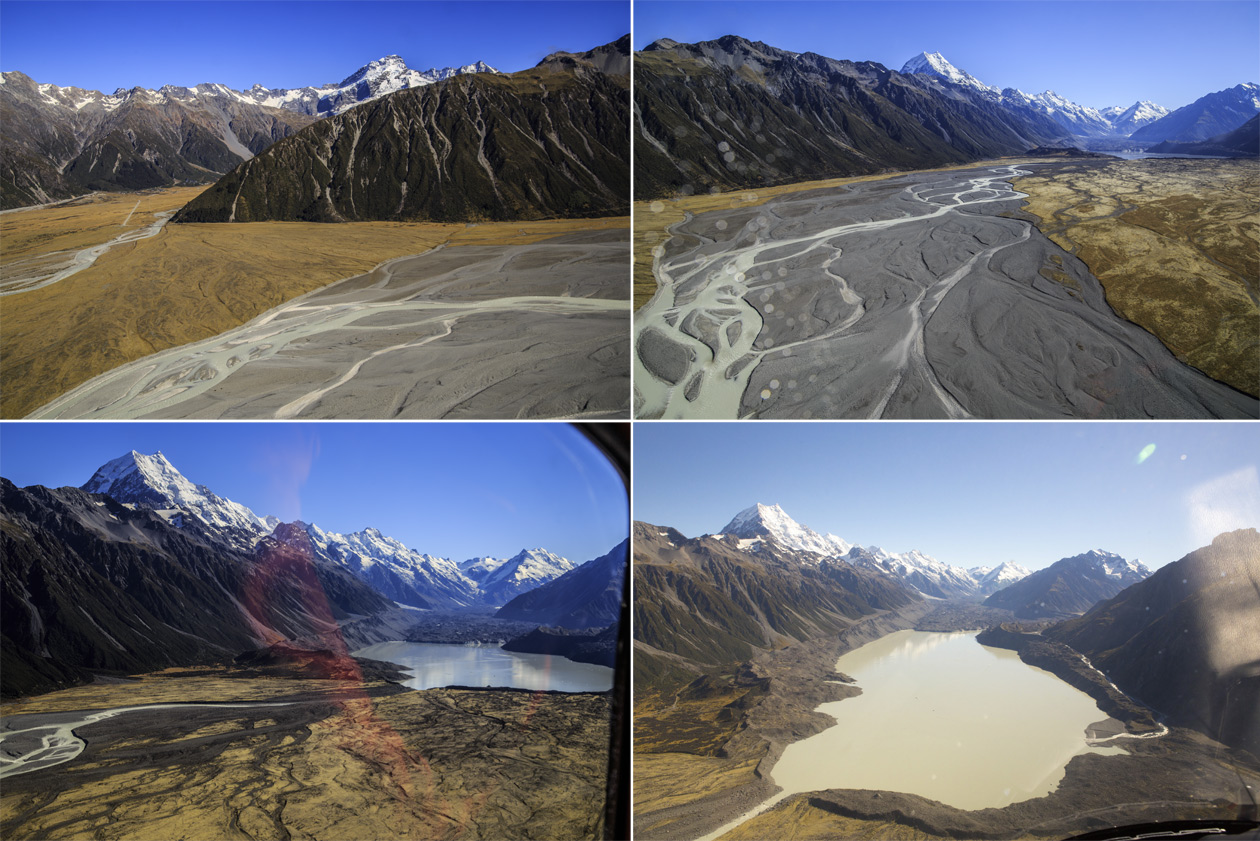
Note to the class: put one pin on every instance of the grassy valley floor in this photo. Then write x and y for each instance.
(344, 759)
(188, 283)
(1176, 246)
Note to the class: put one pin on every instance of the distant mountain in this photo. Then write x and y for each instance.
(771, 521)
(1128, 120)
(770, 524)
(751, 114)
(991, 579)
(588, 596)
(521, 573)
(151, 481)
(372, 81)
(92, 584)
(57, 142)
(916, 570)
(1242, 142)
(704, 602)
(1069, 586)
(1078, 120)
(1186, 640)
(541, 143)
(935, 64)
(402, 574)
(1208, 116)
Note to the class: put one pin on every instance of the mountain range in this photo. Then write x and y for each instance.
(750, 114)
(1076, 119)
(59, 142)
(402, 574)
(92, 584)
(546, 142)
(733, 113)
(760, 523)
(1069, 586)
(141, 569)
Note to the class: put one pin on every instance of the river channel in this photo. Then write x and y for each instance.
(433, 665)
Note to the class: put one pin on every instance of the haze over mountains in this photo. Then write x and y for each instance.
(63, 141)
(140, 540)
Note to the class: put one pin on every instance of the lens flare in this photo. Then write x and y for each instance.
(1146, 453)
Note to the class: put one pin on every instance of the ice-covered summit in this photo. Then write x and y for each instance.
(151, 481)
(373, 80)
(759, 521)
(935, 64)
(1114, 566)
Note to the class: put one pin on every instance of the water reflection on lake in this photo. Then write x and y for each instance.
(434, 664)
(947, 718)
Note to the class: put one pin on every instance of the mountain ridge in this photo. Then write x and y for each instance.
(548, 142)
(403, 574)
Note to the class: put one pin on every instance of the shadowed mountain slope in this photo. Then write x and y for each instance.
(586, 597)
(732, 113)
(1186, 640)
(91, 584)
(542, 143)
(60, 142)
(703, 602)
(1069, 586)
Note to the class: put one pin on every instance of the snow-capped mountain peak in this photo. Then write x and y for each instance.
(1114, 566)
(151, 481)
(935, 64)
(760, 520)
(525, 570)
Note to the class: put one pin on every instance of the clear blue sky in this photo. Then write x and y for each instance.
(455, 490)
(107, 45)
(1093, 52)
(969, 494)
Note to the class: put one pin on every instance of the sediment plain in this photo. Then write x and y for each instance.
(1176, 246)
(534, 330)
(190, 282)
(340, 759)
(915, 296)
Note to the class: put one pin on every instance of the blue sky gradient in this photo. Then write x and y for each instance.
(454, 490)
(968, 494)
(107, 45)
(1094, 52)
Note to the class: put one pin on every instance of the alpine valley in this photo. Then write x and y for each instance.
(828, 238)
(476, 270)
(271, 662)
(1097, 681)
